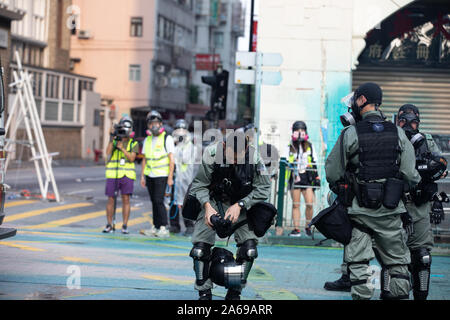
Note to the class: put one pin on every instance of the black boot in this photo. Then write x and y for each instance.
(205, 295)
(342, 284)
(233, 295)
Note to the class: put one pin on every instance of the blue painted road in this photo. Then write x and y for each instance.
(45, 264)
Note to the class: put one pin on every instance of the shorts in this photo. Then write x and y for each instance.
(125, 185)
(303, 184)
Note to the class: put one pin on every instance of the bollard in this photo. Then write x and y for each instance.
(281, 185)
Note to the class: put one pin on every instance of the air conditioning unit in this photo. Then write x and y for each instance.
(160, 68)
(84, 34)
(162, 82)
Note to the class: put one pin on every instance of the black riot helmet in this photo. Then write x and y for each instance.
(223, 270)
(299, 125)
(373, 94)
(406, 116)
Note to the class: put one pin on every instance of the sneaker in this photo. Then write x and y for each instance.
(149, 232)
(189, 231)
(108, 229)
(295, 233)
(173, 229)
(342, 284)
(163, 232)
(233, 295)
(205, 295)
(125, 229)
(308, 232)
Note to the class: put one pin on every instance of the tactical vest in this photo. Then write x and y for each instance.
(378, 149)
(114, 170)
(156, 158)
(231, 183)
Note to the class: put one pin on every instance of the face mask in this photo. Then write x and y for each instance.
(407, 120)
(155, 130)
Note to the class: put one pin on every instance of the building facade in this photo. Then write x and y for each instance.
(65, 100)
(140, 51)
(218, 25)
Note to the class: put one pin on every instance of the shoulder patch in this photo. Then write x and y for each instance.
(428, 136)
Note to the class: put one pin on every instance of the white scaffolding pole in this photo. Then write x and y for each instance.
(24, 107)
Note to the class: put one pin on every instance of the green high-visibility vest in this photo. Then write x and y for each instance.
(114, 169)
(156, 158)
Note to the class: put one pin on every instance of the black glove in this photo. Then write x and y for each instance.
(437, 212)
(407, 222)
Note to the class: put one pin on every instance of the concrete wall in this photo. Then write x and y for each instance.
(58, 48)
(320, 41)
(90, 133)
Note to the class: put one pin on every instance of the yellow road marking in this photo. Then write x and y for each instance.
(76, 259)
(19, 246)
(14, 217)
(19, 203)
(66, 221)
(166, 279)
(132, 222)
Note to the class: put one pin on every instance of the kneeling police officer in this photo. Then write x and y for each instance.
(227, 194)
(375, 158)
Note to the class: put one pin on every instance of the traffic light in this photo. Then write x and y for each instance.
(219, 91)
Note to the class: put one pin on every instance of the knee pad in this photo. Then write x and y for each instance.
(247, 251)
(420, 272)
(201, 253)
(245, 256)
(385, 284)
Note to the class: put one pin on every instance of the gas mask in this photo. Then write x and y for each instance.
(299, 136)
(155, 129)
(406, 120)
(349, 118)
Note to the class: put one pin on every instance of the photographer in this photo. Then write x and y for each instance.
(120, 171)
(227, 193)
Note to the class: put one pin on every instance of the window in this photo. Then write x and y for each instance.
(52, 86)
(218, 40)
(97, 117)
(135, 72)
(136, 27)
(84, 85)
(166, 29)
(68, 88)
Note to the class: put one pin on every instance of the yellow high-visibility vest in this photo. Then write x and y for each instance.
(157, 158)
(114, 170)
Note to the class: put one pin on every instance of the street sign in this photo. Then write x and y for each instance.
(271, 78)
(248, 59)
(245, 59)
(272, 59)
(249, 77)
(244, 76)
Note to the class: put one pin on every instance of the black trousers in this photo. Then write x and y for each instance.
(156, 188)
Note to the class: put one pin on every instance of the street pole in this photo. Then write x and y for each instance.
(250, 49)
(258, 83)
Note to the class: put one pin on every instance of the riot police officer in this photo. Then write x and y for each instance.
(377, 158)
(423, 200)
(423, 204)
(226, 191)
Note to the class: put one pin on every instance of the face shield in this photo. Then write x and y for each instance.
(348, 118)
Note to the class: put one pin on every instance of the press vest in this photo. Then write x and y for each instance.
(114, 170)
(157, 158)
(378, 149)
(292, 158)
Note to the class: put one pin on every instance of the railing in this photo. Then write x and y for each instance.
(281, 197)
